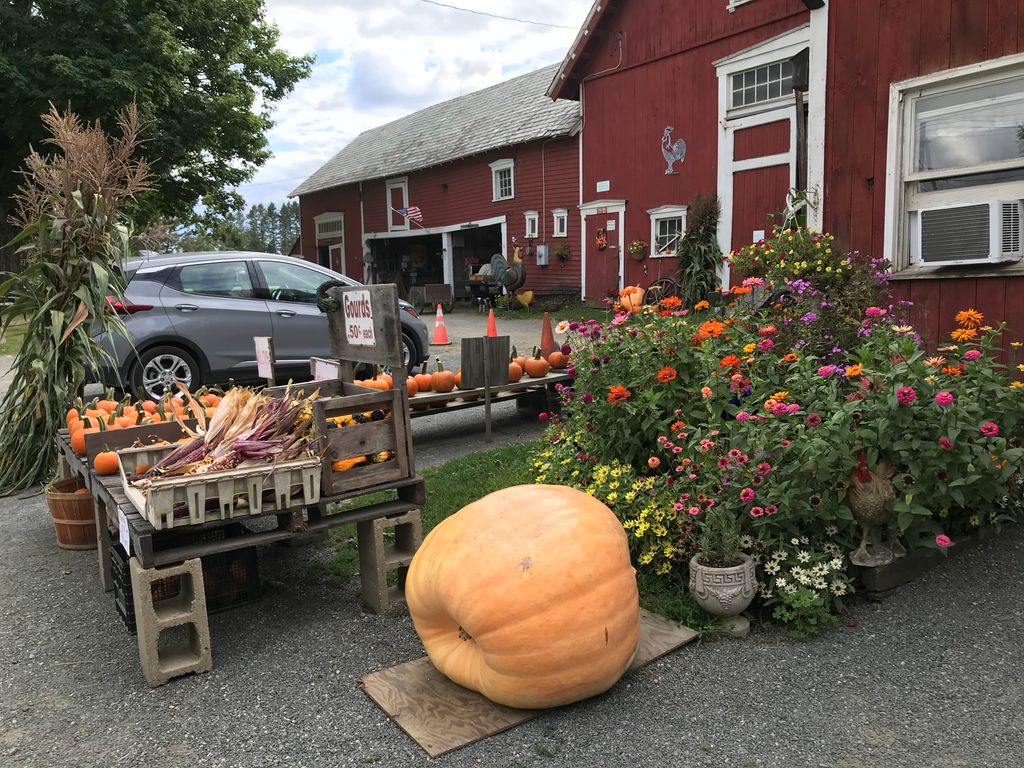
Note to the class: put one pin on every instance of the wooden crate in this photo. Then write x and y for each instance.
(342, 398)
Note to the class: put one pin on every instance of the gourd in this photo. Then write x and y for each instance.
(442, 380)
(537, 367)
(528, 597)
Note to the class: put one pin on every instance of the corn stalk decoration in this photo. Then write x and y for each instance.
(72, 243)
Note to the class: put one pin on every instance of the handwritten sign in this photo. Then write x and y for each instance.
(264, 356)
(358, 318)
(324, 370)
(122, 531)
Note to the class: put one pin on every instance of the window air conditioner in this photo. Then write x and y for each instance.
(968, 234)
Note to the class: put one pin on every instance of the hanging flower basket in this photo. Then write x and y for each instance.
(638, 250)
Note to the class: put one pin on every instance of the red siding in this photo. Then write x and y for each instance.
(460, 192)
(756, 194)
(871, 45)
(761, 140)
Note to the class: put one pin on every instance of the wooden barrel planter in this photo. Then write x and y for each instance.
(72, 513)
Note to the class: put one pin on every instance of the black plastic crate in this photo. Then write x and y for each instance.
(231, 579)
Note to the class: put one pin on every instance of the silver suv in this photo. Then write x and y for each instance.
(192, 318)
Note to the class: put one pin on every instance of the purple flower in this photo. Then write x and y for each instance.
(587, 398)
(809, 318)
(566, 349)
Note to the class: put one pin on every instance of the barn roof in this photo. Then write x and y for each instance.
(566, 82)
(508, 113)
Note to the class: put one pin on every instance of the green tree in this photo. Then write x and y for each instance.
(204, 73)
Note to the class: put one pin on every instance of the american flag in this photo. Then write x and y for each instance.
(412, 212)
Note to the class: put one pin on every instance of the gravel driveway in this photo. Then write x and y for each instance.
(933, 676)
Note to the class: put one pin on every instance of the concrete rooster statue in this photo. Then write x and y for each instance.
(869, 497)
(673, 153)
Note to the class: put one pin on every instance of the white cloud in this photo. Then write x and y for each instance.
(378, 61)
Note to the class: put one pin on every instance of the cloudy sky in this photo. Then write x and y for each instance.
(377, 60)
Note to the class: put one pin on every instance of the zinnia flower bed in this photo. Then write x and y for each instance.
(675, 411)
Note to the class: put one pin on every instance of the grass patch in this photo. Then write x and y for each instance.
(453, 485)
(12, 339)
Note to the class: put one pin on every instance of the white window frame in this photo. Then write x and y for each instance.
(329, 217)
(734, 4)
(900, 202)
(663, 213)
(532, 229)
(560, 222)
(496, 168)
(403, 184)
(764, 104)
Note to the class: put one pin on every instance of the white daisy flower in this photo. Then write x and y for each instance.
(794, 541)
(803, 556)
(836, 564)
(838, 588)
(780, 555)
(746, 542)
(820, 584)
(781, 583)
(831, 530)
(771, 568)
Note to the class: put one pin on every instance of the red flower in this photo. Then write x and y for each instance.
(666, 374)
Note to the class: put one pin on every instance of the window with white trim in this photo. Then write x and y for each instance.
(503, 185)
(668, 225)
(329, 226)
(532, 224)
(560, 222)
(761, 84)
(398, 202)
(734, 4)
(957, 168)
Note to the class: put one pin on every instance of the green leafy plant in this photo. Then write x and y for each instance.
(73, 242)
(718, 539)
(699, 255)
(803, 612)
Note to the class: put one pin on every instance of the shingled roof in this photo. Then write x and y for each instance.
(512, 112)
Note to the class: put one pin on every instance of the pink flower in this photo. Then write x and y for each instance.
(946, 443)
(653, 462)
(677, 449)
(826, 370)
(662, 439)
(705, 392)
(693, 511)
(678, 507)
(780, 409)
(620, 319)
(942, 541)
(813, 420)
(989, 428)
(972, 354)
(771, 509)
(756, 511)
(752, 282)
(691, 476)
(874, 312)
(764, 468)
(785, 443)
(793, 407)
(747, 495)
(765, 344)
(742, 416)
(906, 395)
(944, 397)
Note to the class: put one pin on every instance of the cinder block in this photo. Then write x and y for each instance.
(376, 559)
(184, 609)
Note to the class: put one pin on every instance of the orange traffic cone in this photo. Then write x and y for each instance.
(440, 332)
(547, 338)
(492, 328)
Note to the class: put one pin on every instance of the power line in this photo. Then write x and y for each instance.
(497, 16)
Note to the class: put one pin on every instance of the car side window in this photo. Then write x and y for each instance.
(226, 279)
(290, 282)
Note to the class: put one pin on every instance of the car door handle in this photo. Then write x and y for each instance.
(186, 307)
(285, 313)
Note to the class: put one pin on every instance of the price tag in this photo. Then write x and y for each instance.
(264, 356)
(122, 531)
(358, 318)
(324, 370)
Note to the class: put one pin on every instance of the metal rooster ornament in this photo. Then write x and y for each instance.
(871, 491)
(672, 153)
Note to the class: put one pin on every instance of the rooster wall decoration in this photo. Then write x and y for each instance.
(673, 153)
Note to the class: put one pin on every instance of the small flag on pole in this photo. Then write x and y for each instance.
(412, 212)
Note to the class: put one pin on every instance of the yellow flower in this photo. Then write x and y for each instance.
(975, 520)
(931, 379)
(748, 348)
(780, 395)
(1017, 385)
(903, 329)
(1016, 343)
(1020, 367)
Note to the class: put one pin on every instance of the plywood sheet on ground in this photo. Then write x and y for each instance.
(441, 716)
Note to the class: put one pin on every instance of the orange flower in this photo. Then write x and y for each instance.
(729, 361)
(790, 358)
(701, 305)
(969, 318)
(678, 425)
(963, 334)
(952, 370)
(780, 395)
(666, 374)
(706, 392)
(711, 329)
(672, 302)
(741, 291)
(935, 362)
(618, 393)
(854, 370)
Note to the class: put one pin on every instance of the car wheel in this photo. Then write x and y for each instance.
(409, 356)
(158, 368)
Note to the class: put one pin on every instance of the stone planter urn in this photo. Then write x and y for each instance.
(723, 592)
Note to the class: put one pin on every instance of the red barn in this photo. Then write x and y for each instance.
(903, 118)
(489, 172)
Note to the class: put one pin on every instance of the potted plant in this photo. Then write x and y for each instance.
(561, 252)
(638, 249)
(722, 578)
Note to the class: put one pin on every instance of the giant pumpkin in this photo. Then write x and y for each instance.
(528, 597)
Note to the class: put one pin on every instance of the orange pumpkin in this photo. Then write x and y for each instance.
(107, 405)
(105, 463)
(442, 380)
(148, 406)
(517, 358)
(515, 372)
(631, 299)
(558, 360)
(71, 416)
(537, 367)
(78, 439)
(422, 379)
(528, 597)
(410, 386)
